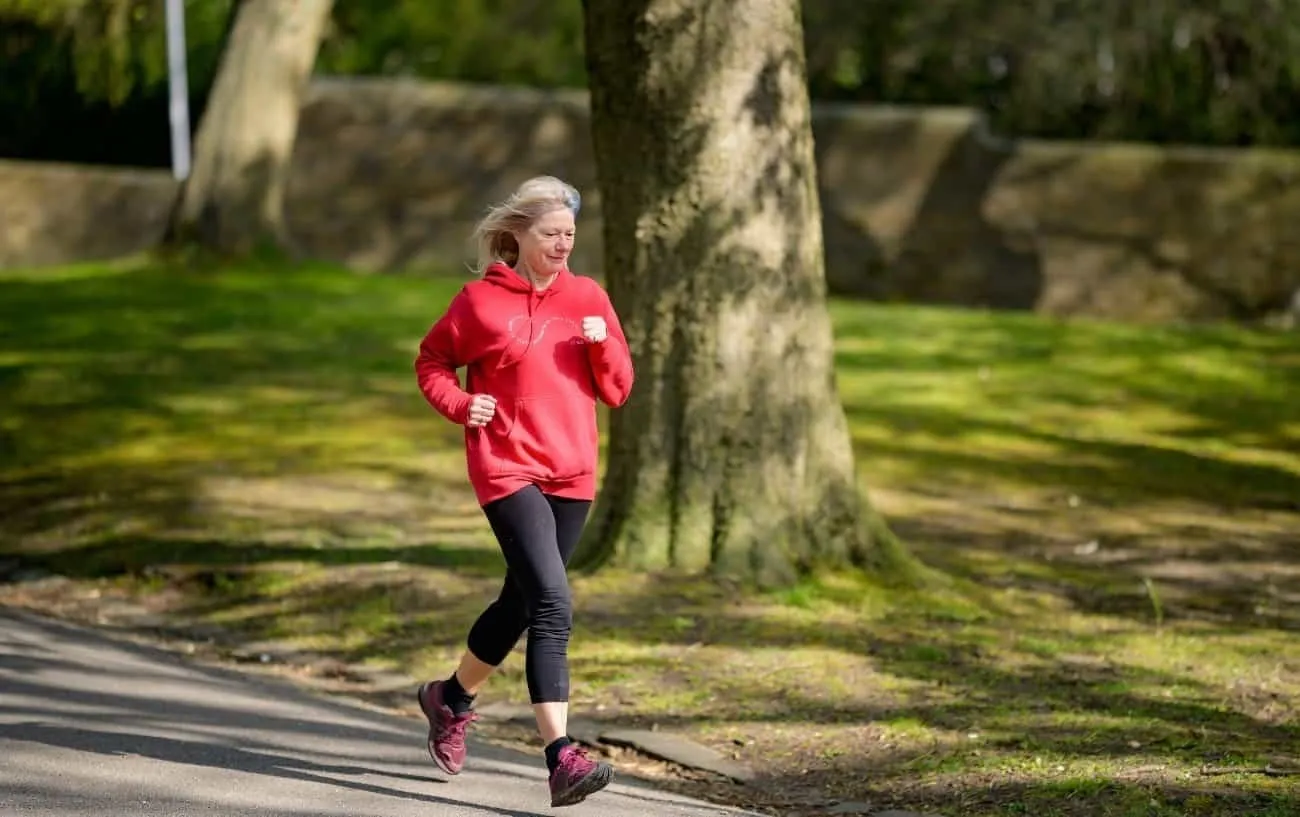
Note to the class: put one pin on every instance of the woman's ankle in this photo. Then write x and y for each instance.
(456, 697)
(552, 752)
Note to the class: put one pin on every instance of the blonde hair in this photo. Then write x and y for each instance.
(495, 234)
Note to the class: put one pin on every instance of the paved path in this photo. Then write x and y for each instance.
(93, 726)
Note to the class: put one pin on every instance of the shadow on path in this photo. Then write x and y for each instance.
(70, 689)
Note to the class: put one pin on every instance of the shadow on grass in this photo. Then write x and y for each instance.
(982, 695)
(142, 555)
(992, 795)
(1225, 384)
(1232, 587)
(1105, 469)
(1038, 690)
(1087, 798)
(111, 521)
(1007, 416)
(125, 395)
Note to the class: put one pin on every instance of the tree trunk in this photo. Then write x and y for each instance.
(733, 454)
(233, 201)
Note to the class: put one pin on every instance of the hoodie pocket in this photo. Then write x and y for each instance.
(546, 437)
(493, 441)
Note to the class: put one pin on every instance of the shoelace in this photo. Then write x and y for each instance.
(455, 730)
(576, 759)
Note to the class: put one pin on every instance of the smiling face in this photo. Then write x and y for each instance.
(545, 246)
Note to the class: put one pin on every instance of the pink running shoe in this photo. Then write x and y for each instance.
(577, 776)
(446, 729)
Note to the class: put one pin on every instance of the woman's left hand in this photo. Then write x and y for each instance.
(594, 329)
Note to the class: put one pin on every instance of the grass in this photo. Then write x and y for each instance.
(1118, 505)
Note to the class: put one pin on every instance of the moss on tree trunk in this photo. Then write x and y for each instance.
(734, 453)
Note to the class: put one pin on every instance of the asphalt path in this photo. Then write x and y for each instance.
(92, 725)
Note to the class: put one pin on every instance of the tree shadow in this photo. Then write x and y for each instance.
(952, 254)
(152, 704)
(1079, 708)
(198, 731)
(122, 741)
(142, 555)
(1172, 441)
(1220, 590)
(1106, 469)
(999, 793)
(855, 262)
(142, 406)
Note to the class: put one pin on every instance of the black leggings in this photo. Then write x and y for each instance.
(537, 534)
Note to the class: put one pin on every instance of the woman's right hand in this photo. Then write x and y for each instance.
(482, 408)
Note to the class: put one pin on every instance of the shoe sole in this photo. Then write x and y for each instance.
(584, 788)
(419, 698)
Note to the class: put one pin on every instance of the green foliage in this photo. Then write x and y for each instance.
(1209, 71)
(114, 47)
(528, 42)
(109, 53)
(98, 66)
(1221, 72)
(117, 47)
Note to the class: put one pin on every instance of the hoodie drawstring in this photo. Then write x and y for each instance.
(534, 300)
(506, 276)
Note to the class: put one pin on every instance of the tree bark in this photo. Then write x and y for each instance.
(233, 201)
(733, 454)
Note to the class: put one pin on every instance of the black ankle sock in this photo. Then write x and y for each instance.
(553, 753)
(455, 696)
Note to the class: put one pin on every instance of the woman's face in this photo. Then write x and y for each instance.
(545, 246)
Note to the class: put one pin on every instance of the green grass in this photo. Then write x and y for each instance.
(1111, 411)
(1117, 506)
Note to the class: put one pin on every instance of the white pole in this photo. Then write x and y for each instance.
(178, 83)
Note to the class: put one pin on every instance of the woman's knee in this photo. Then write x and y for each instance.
(552, 609)
(497, 630)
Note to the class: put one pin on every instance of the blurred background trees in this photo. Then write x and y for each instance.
(1211, 72)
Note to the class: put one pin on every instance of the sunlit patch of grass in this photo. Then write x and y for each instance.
(1017, 401)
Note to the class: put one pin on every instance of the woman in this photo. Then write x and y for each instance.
(540, 345)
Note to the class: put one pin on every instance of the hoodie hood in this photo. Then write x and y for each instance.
(503, 275)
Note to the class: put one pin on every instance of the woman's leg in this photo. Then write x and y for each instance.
(573, 775)
(538, 535)
(448, 704)
(499, 628)
(553, 716)
(471, 674)
(525, 527)
(492, 637)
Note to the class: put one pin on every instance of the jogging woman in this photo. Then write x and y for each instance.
(540, 346)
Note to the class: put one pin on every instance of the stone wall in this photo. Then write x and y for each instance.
(394, 173)
(919, 205)
(60, 214)
(943, 213)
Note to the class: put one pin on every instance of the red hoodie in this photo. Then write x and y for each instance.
(526, 349)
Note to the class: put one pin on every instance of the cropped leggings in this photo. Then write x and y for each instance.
(537, 534)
